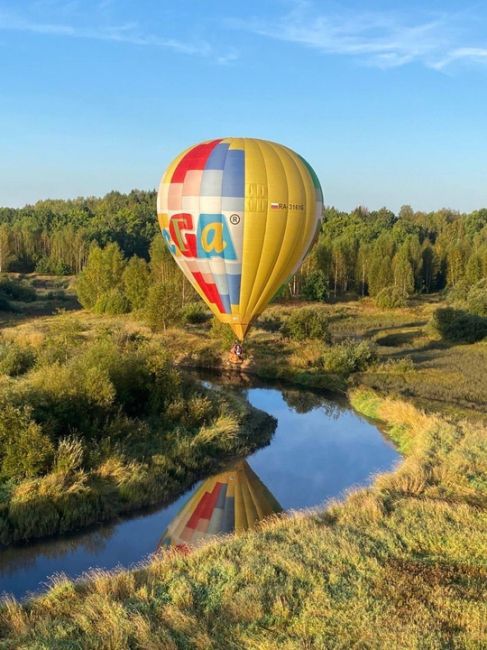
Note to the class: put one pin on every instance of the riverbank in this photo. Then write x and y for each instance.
(97, 423)
(401, 564)
(55, 386)
(410, 360)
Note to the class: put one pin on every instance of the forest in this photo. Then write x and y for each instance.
(362, 252)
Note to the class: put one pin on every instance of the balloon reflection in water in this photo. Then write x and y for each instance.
(232, 501)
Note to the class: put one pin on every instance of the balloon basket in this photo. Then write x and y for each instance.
(234, 359)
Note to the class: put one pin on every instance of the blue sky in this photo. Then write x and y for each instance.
(387, 100)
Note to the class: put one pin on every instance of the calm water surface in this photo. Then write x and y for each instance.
(320, 449)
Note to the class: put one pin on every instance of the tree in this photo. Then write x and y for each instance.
(102, 272)
(364, 256)
(474, 270)
(136, 279)
(403, 271)
(380, 272)
(161, 261)
(429, 267)
(6, 251)
(315, 286)
(163, 306)
(456, 259)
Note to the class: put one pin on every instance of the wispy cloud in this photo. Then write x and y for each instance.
(381, 39)
(129, 33)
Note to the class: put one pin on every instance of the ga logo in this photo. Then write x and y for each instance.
(212, 238)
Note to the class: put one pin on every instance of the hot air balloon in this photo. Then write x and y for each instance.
(232, 501)
(239, 215)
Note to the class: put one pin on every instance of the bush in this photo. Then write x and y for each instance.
(283, 293)
(15, 290)
(269, 322)
(15, 360)
(136, 279)
(194, 313)
(163, 306)
(315, 286)
(46, 265)
(391, 297)
(112, 302)
(308, 323)
(457, 293)
(25, 451)
(223, 332)
(5, 305)
(477, 299)
(458, 326)
(62, 340)
(59, 294)
(396, 366)
(102, 273)
(349, 356)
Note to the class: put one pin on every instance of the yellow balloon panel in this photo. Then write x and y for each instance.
(239, 215)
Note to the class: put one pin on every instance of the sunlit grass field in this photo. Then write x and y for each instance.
(402, 564)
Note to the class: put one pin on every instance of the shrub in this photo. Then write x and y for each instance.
(458, 326)
(15, 360)
(315, 286)
(458, 292)
(477, 299)
(103, 272)
(25, 451)
(112, 302)
(5, 305)
(136, 279)
(194, 313)
(349, 356)
(396, 366)
(59, 294)
(391, 297)
(223, 332)
(269, 322)
(62, 340)
(163, 306)
(15, 290)
(48, 265)
(308, 323)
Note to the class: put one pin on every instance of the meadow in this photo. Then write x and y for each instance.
(401, 564)
(398, 565)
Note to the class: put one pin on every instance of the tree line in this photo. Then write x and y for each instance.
(55, 236)
(360, 251)
(416, 252)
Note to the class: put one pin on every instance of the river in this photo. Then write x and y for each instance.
(320, 449)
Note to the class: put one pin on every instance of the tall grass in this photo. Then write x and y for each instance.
(401, 564)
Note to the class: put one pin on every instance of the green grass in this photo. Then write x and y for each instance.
(402, 564)
(100, 423)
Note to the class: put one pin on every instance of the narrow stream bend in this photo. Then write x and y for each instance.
(320, 449)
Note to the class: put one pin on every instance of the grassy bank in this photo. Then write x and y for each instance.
(402, 564)
(96, 422)
(411, 361)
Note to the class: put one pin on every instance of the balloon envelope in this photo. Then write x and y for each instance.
(239, 215)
